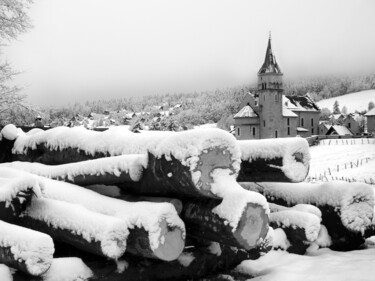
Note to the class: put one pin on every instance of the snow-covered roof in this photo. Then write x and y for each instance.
(300, 103)
(288, 113)
(246, 111)
(301, 129)
(371, 112)
(340, 130)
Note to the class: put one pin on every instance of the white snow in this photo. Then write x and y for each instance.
(214, 248)
(35, 249)
(68, 269)
(11, 132)
(13, 182)
(122, 265)
(355, 101)
(5, 273)
(322, 264)
(185, 259)
(296, 219)
(140, 214)
(111, 232)
(355, 200)
(284, 148)
(132, 164)
(235, 198)
(307, 208)
(279, 240)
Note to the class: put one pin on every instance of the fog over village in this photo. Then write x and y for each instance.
(187, 140)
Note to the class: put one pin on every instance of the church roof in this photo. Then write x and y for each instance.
(270, 65)
(300, 103)
(246, 111)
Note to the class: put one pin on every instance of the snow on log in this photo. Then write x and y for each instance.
(65, 269)
(156, 231)
(16, 190)
(25, 249)
(111, 170)
(274, 160)
(347, 208)
(73, 224)
(180, 163)
(301, 228)
(240, 219)
(175, 202)
(5, 273)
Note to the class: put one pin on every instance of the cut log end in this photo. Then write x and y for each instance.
(252, 226)
(171, 244)
(214, 158)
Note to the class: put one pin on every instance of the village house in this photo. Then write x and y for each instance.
(270, 114)
(370, 116)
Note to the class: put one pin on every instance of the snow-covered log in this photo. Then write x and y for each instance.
(73, 224)
(16, 191)
(274, 160)
(109, 171)
(175, 202)
(347, 208)
(156, 231)
(64, 269)
(8, 136)
(179, 164)
(240, 219)
(301, 228)
(25, 249)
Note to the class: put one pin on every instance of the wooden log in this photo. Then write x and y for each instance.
(301, 228)
(202, 222)
(73, 224)
(179, 163)
(16, 191)
(347, 208)
(108, 171)
(24, 249)
(156, 231)
(274, 160)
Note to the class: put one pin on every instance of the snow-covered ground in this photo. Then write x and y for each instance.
(343, 158)
(354, 101)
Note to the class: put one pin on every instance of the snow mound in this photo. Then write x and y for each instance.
(33, 248)
(5, 273)
(11, 132)
(68, 269)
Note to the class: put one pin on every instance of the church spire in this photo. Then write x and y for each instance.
(270, 65)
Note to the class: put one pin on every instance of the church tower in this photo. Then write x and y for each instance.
(270, 86)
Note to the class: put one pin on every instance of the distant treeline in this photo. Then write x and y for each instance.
(210, 106)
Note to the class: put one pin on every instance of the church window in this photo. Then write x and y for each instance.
(276, 97)
(312, 121)
(264, 123)
(275, 134)
(302, 123)
(288, 121)
(253, 131)
(238, 131)
(288, 131)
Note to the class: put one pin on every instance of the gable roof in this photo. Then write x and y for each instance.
(340, 130)
(371, 112)
(270, 65)
(300, 103)
(246, 111)
(288, 113)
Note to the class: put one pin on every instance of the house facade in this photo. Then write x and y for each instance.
(270, 114)
(370, 116)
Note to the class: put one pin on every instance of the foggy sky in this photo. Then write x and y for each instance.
(92, 49)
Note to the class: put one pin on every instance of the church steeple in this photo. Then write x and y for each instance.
(270, 75)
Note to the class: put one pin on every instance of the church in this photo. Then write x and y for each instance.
(271, 114)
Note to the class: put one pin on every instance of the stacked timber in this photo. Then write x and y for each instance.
(174, 186)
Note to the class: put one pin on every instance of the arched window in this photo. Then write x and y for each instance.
(238, 131)
(302, 124)
(312, 122)
(275, 134)
(253, 131)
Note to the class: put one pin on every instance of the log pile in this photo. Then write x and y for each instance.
(170, 205)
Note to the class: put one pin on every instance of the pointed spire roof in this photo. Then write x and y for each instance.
(270, 65)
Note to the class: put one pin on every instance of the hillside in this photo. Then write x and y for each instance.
(355, 101)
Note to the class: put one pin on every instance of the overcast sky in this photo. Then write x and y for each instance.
(99, 49)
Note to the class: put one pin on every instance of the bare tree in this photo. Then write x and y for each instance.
(13, 21)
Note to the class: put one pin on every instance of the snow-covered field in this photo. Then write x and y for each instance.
(346, 159)
(325, 264)
(354, 101)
